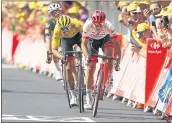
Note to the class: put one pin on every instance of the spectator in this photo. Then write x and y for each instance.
(154, 10)
(133, 15)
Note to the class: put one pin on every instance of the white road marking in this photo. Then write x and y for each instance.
(45, 118)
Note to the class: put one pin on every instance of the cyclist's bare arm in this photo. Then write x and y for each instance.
(117, 47)
(48, 39)
(48, 35)
(85, 38)
(56, 44)
(84, 46)
(56, 52)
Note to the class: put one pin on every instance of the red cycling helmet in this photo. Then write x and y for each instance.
(98, 17)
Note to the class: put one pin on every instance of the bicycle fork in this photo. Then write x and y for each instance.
(102, 89)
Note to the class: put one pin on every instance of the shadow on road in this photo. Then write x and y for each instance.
(117, 109)
(127, 113)
(25, 92)
(122, 116)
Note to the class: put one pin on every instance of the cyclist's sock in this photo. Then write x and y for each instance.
(58, 67)
(88, 94)
(110, 76)
(58, 70)
(75, 82)
(72, 93)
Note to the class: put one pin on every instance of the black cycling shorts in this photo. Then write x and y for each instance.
(94, 44)
(68, 43)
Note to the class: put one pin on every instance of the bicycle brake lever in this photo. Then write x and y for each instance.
(89, 59)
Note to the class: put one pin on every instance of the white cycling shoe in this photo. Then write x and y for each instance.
(73, 102)
(88, 105)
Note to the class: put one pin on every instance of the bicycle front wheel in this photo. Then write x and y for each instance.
(81, 89)
(97, 93)
(66, 86)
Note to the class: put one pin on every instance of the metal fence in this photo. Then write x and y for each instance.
(111, 11)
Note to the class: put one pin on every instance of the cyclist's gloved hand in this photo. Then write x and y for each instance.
(88, 61)
(63, 59)
(49, 57)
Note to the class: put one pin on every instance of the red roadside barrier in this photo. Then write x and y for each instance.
(156, 56)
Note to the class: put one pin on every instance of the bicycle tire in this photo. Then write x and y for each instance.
(83, 89)
(80, 90)
(66, 85)
(97, 94)
(64, 88)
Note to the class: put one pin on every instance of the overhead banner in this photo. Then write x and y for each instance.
(156, 56)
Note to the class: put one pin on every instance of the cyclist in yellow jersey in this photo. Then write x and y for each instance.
(67, 33)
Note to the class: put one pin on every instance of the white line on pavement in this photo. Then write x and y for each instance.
(45, 118)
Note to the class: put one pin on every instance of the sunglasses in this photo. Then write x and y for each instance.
(65, 29)
(99, 24)
(154, 9)
(53, 13)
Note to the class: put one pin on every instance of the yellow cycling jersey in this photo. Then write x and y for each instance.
(75, 27)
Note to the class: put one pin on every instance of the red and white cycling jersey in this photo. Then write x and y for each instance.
(89, 30)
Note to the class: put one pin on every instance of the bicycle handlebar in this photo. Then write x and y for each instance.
(102, 57)
(66, 52)
(78, 54)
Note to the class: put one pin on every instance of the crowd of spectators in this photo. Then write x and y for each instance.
(29, 18)
(146, 19)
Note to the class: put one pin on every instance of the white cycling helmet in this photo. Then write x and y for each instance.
(53, 7)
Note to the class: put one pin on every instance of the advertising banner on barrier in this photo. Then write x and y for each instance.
(120, 89)
(165, 92)
(138, 93)
(168, 110)
(156, 56)
(162, 78)
(118, 75)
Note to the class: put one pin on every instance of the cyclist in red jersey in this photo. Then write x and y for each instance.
(98, 32)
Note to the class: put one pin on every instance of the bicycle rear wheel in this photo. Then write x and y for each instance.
(81, 89)
(97, 93)
(66, 86)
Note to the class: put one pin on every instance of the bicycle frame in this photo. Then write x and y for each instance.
(80, 80)
(99, 87)
(104, 67)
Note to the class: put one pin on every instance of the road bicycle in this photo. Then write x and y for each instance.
(100, 86)
(79, 85)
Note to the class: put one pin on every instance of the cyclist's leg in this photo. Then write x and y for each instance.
(57, 65)
(67, 46)
(77, 42)
(90, 70)
(74, 73)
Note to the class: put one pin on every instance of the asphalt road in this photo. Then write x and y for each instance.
(27, 96)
